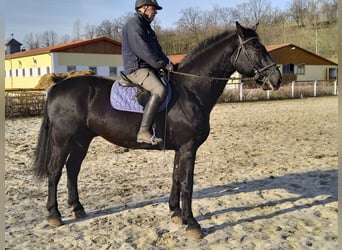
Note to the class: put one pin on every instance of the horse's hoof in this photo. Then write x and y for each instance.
(55, 222)
(195, 233)
(176, 219)
(79, 214)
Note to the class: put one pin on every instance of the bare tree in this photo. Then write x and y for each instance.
(217, 19)
(223, 16)
(106, 29)
(117, 27)
(328, 10)
(48, 38)
(313, 11)
(298, 11)
(279, 17)
(191, 22)
(31, 41)
(113, 29)
(65, 39)
(90, 31)
(254, 11)
(77, 30)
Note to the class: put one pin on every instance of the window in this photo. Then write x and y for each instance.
(23, 72)
(16, 73)
(332, 74)
(288, 69)
(39, 73)
(31, 72)
(71, 68)
(48, 70)
(94, 69)
(301, 69)
(113, 71)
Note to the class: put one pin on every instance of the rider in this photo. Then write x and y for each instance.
(143, 58)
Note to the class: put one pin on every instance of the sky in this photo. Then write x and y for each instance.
(37, 16)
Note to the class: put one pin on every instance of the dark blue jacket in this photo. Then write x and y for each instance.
(140, 47)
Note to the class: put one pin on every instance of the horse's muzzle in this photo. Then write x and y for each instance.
(269, 79)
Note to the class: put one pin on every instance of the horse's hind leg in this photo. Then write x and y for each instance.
(56, 163)
(73, 165)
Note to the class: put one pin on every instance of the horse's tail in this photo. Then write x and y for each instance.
(43, 149)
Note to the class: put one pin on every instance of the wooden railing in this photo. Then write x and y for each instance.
(24, 102)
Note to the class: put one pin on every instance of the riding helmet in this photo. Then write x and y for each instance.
(139, 3)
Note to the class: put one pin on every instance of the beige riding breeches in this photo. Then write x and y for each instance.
(147, 79)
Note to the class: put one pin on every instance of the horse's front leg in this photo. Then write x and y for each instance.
(187, 155)
(174, 201)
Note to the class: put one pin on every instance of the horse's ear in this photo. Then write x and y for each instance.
(255, 26)
(239, 29)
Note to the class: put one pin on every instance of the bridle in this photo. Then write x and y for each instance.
(258, 72)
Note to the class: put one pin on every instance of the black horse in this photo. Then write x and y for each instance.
(78, 109)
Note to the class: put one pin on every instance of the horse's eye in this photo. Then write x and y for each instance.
(257, 46)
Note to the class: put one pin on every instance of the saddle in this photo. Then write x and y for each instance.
(128, 96)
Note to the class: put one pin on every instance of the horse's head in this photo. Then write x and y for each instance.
(251, 59)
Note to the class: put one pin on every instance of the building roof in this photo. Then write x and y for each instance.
(291, 53)
(176, 58)
(66, 47)
(274, 47)
(13, 42)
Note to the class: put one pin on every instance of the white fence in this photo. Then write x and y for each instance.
(288, 90)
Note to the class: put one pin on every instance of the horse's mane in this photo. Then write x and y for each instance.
(205, 44)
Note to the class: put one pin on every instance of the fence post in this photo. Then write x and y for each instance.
(335, 87)
(292, 91)
(315, 88)
(241, 91)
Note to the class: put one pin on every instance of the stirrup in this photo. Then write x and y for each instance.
(153, 140)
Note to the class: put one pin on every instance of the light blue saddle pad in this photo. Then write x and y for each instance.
(124, 98)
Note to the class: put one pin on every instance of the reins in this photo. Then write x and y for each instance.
(211, 78)
(202, 77)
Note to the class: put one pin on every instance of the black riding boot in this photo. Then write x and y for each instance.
(150, 110)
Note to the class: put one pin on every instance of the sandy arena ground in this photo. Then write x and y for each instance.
(266, 178)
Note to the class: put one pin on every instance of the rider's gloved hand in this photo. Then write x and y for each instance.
(169, 67)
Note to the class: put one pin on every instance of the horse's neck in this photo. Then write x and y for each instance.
(218, 58)
(213, 62)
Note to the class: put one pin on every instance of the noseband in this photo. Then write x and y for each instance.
(258, 72)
